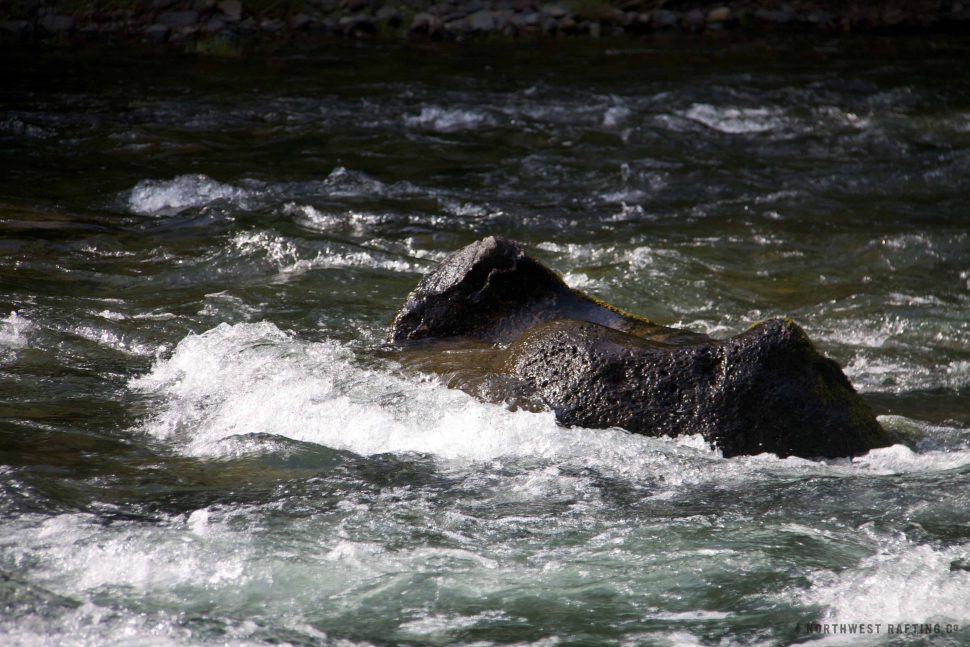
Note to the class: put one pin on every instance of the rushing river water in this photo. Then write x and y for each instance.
(199, 256)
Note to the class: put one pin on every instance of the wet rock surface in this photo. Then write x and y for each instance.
(457, 20)
(766, 390)
(502, 326)
(492, 291)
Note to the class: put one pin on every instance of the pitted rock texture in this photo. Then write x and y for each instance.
(491, 290)
(519, 325)
(766, 390)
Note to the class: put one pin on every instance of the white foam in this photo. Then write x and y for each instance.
(107, 253)
(902, 583)
(447, 120)
(680, 639)
(255, 378)
(582, 281)
(736, 121)
(21, 128)
(622, 196)
(615, 115)
(629, 212)
(277, 249)
(867, 334)
(926, 250)
(312, 218)
(185, 558)
(357, 221)
(833, 115)
(227, 307)
(654, 261)
(91, 624)
(343, 182)
(14, 331)
(584, 253)
(900, 459)
(439, 623)
(170, 197)
(927, 436)
(875, 373)
(466, 209)
(360, 258)
(283, 254)
(114, 340)
(93, 558)
(690, 615)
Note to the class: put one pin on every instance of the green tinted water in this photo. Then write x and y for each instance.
(199, 255)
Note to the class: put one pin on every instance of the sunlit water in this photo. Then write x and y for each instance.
(198, 258)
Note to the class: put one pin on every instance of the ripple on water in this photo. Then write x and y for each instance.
(448, 120)
(184, 192)
(171, 197)
(285, 255)
(518, 523)
(734, 121)
(284, 489)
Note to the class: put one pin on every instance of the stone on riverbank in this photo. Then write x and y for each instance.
(460, 19)
(179, 19)
(156, 33)
(57, 25)
(765, 390)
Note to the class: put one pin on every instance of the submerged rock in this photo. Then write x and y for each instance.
(501, 325)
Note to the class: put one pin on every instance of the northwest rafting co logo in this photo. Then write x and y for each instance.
(866, 628)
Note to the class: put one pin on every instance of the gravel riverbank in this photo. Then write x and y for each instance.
(230, 21)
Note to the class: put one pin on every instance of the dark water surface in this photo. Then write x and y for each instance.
(198, 255)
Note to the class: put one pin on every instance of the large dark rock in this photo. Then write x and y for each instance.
(499, 324)
(766, 390)
(492, 291)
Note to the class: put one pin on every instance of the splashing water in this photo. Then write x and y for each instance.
(200, 258)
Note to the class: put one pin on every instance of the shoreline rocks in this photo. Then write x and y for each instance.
(498, 324)
(179, 21)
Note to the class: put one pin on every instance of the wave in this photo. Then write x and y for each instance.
(736, 121)
(901, 584)
(172, 197)
(875, 373)
(257, 379)
(114, 340)
(13, 330)
(446, 120)
(289, 259)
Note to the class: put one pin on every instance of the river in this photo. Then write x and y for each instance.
(200, 255)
